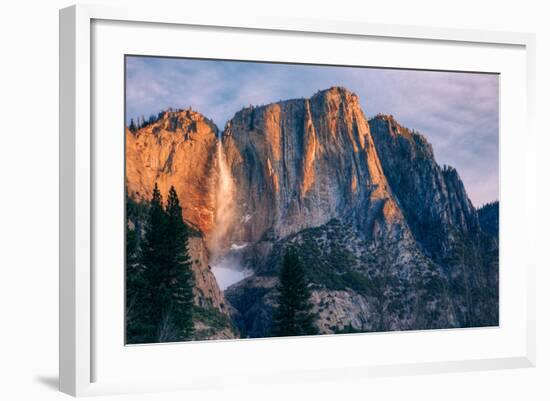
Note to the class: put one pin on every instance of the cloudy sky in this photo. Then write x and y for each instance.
(457, 112)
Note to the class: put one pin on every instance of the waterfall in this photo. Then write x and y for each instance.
(225, 204)
(225, 257)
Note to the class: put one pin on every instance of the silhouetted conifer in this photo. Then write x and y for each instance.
(293, 315)
(160, 286)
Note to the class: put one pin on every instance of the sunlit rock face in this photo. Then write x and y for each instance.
(178, 149)
(302, 162)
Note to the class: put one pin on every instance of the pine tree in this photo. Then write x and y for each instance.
(144, 284)
(154, 254)
(132, 126)
(293, 315)
(181, 273)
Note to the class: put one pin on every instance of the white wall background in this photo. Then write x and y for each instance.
(29, 198)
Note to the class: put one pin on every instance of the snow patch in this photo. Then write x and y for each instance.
(236, 247)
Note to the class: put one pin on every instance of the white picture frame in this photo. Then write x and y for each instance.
(78, 368)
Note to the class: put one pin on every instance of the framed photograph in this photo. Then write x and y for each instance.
(293, 200)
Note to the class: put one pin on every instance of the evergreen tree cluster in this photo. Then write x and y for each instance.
(476, 260)
(293, 315)
(159, 275)
(142, 122)
(488, 216)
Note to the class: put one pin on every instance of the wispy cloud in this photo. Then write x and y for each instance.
(457, 112)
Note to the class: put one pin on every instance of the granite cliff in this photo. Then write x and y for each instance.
(177, 149)
(390, 239)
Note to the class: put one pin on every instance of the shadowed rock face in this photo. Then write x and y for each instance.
(433, 199)
(489, 218)
(390, 239)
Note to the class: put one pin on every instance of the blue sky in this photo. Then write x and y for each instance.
(457, 112)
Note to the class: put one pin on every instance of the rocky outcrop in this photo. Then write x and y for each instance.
(344, 310)
(383, 286)
(207, 292)
(302, 162)
(253, 300)
(463, 213)
(213, 314)
(177, 149)
(433, 199)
